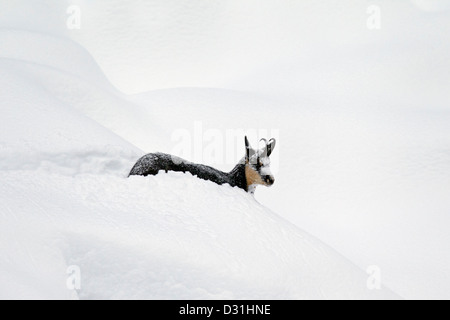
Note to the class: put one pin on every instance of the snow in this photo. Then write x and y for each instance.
(362, 159)
(378, 174)
(165, 237)
(65, 200)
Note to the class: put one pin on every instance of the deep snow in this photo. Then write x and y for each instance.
(66, 201)
(164, 237)
(362, 162)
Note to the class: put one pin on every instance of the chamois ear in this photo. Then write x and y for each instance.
(271, 146)
(249, 152)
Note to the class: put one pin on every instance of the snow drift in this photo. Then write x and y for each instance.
(164, 237)
(65, 201)
(363, 160)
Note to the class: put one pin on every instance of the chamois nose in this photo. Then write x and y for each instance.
(269, 180)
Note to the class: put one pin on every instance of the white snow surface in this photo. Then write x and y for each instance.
(168, 237)
(362, 160)
(66, 201)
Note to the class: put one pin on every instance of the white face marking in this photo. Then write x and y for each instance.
(261, 167)
(265, 169)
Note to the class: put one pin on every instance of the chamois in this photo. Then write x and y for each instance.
(252, 170)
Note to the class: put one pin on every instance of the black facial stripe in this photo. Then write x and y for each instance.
(258, 165)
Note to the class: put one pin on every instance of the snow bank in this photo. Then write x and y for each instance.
(65, 203)
(58, 71)
(363, 141)
(165, 237)
(370, 180)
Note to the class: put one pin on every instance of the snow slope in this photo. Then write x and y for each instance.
(362, 114)
(65, 201)
(372, 182)
(166, 237)
(362, 160)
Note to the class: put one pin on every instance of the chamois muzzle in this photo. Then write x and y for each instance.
(269, 180)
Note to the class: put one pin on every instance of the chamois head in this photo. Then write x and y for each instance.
(257, 165)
